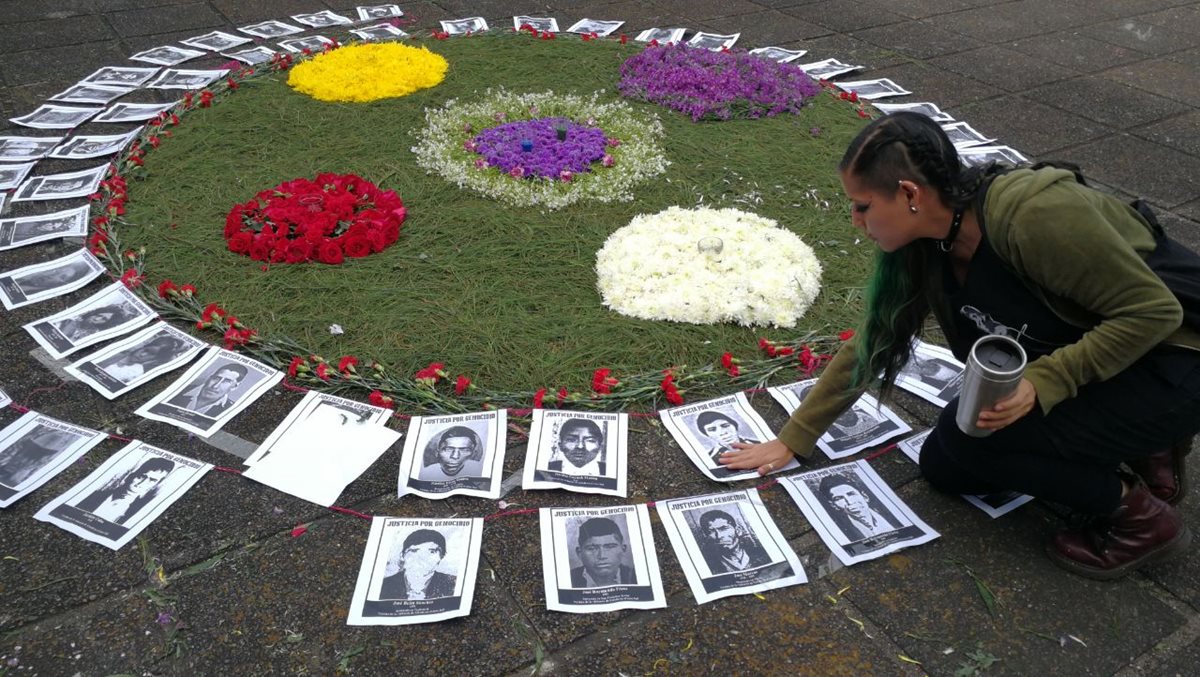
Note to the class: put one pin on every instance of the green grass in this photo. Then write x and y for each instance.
(506, 295)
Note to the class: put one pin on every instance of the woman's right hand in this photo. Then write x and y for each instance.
(766, 457)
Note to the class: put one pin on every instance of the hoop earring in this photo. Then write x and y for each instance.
(912, 209)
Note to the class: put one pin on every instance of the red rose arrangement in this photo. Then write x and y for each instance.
(324, 219)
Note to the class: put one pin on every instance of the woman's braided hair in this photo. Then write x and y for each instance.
(906, 283)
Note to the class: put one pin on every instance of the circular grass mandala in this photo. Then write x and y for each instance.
(504, 294)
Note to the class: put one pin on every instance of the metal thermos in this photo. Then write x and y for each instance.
(994, 368)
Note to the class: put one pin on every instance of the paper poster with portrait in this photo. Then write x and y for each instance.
(705, 430)
(25, 148)
(123, 496)
(35, 448)
(374, 12)
(124, 365)
(41, 281)
(110, 312)
(85, 147)
(324, 444)
(25, 230)
(62, 186)
(864, 425)
(933, 374)
(578, 451)
(546, 24)
(5, 400)
(416, 571)
(855, 512)
(459, 454)
(995, 504)
(270, 29)
(211, 392)
(598, 27)
(474, 24)
(600, 559)
(727, 544)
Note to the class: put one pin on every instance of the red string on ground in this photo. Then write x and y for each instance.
(289, 386)
(231, 471)
(881, 452)
(507, 513)
(348, 511)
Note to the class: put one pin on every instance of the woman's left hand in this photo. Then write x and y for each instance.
(1009, 409)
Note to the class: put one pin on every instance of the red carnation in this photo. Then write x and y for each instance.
(846, 335)
(378, 399)
(167, 288)
(431, 374)
(346, 364)
(672, 392)
(602, 383)
(322, 371)
(296, 364)
(461, 385)
(131, 279)
(538, 398)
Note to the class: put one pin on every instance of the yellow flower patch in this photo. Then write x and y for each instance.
(361, 73)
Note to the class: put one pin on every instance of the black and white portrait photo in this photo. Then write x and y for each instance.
(728, 545)
(779, 54)
(42, 281)
(545, 24)
(133, 112)
(975, 156)
(49, 116)
(173, 78)
(372, 12)
(89, 93)
(216, 41)
(110, 312)
(120, 76)
(827, 68)
(35, 448)
(93, 146)
(454, 454)
(873, 89)
(933, 374)
(855, 512)
(577, 451)
(30, 229)
(595, 26)
(5, 400)
(662, 36)
(475, 24)
(211, 392)
(123, 496)
(930, 110)
(416, 571)
(712, 41)
(12, 175)
(380, 32)
(312, 43)
(322, 19)
(295, 457)
(270, 29)
(25, 148)
(994, 505)
(864, 425)
(122, 366)
(706, 430)
(600, 559)
(252, 55)
(166, 55)
(62, 186)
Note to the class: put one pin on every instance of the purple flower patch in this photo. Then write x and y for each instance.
(532, 148)
(715, 85)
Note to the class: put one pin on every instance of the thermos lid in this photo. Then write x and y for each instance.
(999, 354)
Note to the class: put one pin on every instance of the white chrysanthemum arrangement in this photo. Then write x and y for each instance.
(444, 147)
(706, 266)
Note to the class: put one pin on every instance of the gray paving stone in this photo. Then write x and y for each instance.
(1183, 229)
(149, 21)
(844, 15)
(1004, 68)
(1190, 57)
(637, 16)
(1031, 127)
(243, 12)
(1167, 78)
(1140, 36)
(1191, 210)
(766, 28)
(925, 598)
(917, 39)
(703, 10)
(920, 9)
(1076, 51)
(928, 83)
(59, 64)
(1005, 22)
(852, 50)
(43, 10)
(1160, 174)
(1106, 101)
(1183, 19)
(53, 33)
(489, 9)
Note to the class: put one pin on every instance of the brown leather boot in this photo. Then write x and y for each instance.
(1164, 472)
(1143, 529)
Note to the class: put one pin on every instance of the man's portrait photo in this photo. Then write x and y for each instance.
(32, 452)
(722, 431)
(129, 364)
(455, 452)
(122, 498)
(853, 508)
(415, 566)
(854, 421)
(579, 448)
(726, 543)
(212, 394)
(40, 281)
(601, 547)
